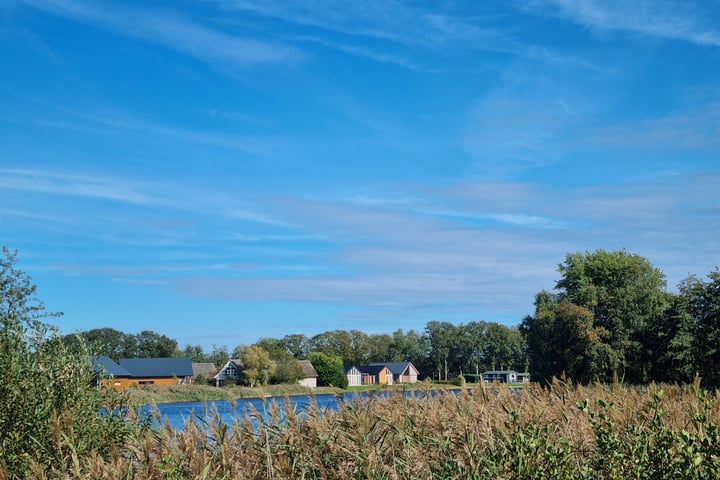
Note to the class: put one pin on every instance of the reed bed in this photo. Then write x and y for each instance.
(560, 431)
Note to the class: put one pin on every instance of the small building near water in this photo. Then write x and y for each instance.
(143, 371)
(158, 371)
(310, 376)
(500, 376)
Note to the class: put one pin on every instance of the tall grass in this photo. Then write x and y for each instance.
(561, 431)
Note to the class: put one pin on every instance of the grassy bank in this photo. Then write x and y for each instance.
(560, 432)
(141, 395)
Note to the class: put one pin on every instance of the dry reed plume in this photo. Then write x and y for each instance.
(562, 431)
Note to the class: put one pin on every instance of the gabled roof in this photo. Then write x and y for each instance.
(397, 368)
(349, 368)
(204, 368)
(372, 369)
(158, 367)
(234, 361)
(308, 369)
(107, 367)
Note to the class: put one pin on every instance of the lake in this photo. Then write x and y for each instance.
(179, 412)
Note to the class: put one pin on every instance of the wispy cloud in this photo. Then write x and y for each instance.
(386, 22)
(692, 127)
(136, 192)
(188, 37)
(508, 134)
(387, 254)
(689, 21)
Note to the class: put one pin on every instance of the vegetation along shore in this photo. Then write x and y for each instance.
(58, 421)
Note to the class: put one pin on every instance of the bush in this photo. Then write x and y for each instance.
(50, 414)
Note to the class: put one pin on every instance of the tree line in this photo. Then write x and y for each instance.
(441, 351)
(611, 314)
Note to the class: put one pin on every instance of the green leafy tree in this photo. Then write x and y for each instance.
(703, 303)
(257, 366)
(330, 369)
(195, 353)
(287, 367)
(287, 370)
(379, 349)
(334, 343)
(106, 341)
(152, 345)
(297, 345)
(219, 355)
(50, 411)
(443, 347)
(626, 300)
(412, 346)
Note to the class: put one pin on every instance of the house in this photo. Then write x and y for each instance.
(402, 372)
(207, 370)
(310, 376)
(112, 374)
(230, 372)
(158, 371)
(501, 376)
(523, 377)
(376, 375)
(354, 376)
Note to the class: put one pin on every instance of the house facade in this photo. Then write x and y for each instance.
(111, 374)
(501, 376)
(310, 376)
(379, 373)
(354, 376)
(158, 371)
(231, 372)
(402, 372)
(376, 375)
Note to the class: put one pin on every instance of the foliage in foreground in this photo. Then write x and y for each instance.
(50, 410)
(559, 432)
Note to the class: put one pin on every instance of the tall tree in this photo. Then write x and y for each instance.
(441, 336)
(108, 341)
(152, 345)
(626, 299)
(334, 343)
(626, 296)
(703, 299)
(195, 353)
(297, 345)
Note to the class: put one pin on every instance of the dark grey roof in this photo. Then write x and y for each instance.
(158, 367)
(105, 365)
(397, 368)
(372, 369)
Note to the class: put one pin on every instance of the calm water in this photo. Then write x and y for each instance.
(178, 413)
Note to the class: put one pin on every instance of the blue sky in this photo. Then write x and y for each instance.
(221, 171)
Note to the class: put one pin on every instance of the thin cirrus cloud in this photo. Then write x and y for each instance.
(385, 21)
(155, 195)
(190, 38)
(684, 20)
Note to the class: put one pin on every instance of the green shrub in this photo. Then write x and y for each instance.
(52, 412)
